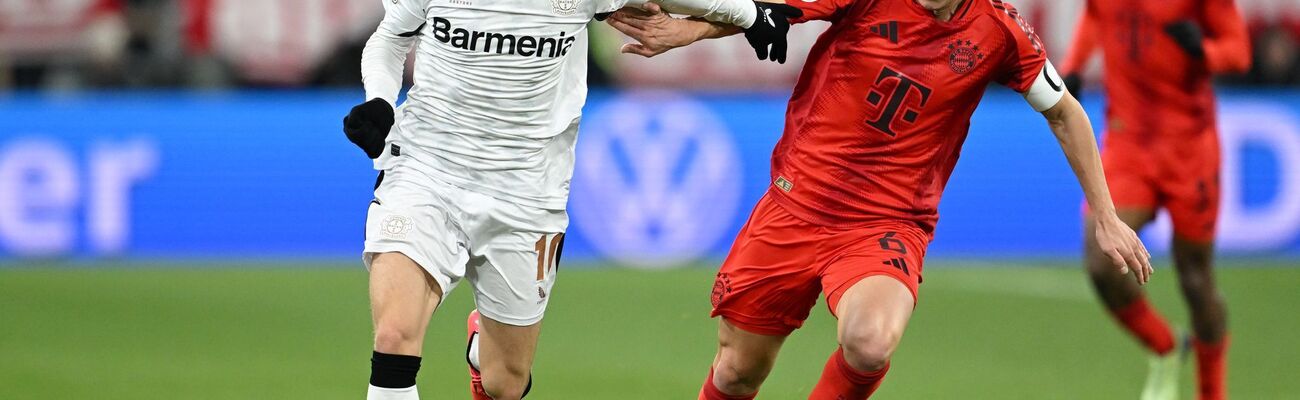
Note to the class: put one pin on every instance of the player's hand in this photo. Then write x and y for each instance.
(367, 126)
(768, 34)
(1188, 36)
(1074, 85)
(1123, 247)
(655, 31)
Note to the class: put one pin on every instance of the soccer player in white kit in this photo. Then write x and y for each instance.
(475, 172)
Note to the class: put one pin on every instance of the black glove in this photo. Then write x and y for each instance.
(770, 28)
(367, 126)
(1074, 84)
(1188, 36)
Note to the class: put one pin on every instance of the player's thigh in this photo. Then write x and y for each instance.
(768, 283)
(414, 255)
(894, 250)
(408, 216)
(401, 291)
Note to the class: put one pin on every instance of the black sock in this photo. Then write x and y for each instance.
(393, 371)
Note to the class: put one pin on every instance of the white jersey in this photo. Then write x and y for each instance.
(499, 87)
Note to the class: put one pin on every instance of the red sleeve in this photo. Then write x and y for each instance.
(1085, 43)
(825, 10)
(1227, 44)
(1025, 55)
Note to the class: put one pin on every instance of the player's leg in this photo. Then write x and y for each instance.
(1132, 176)
(872, 316)
(763, 292)
(743, 361)
(415, 259)
(503, 354)
(1195, 263)
(871, 288)
(1120, 293)
(402, 298)
(516, 260)
(1194, 209)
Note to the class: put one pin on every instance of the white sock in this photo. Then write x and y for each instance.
(378, 393)
(473, 352)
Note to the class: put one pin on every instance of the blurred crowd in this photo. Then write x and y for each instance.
(88, 44)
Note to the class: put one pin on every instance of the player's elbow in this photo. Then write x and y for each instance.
(1234, 58)
(1237, 64)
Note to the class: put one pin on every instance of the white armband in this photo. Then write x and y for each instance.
(1047, 90)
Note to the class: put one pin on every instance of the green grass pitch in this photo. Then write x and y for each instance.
(224, 331)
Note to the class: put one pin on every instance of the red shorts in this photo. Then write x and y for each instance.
(1180, 175)
(779, 264)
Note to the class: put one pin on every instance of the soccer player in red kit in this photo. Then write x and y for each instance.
(1162, 151)
(873, 130)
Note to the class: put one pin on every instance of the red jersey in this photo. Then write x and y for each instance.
(1155, 88)
(881, 109)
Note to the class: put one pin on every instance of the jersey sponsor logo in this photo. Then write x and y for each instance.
(501, 43)
(963, 56)
(564, 7)
(659, 181)
(895, 100)
(887, 30)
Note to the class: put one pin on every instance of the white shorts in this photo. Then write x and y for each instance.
(509, 253)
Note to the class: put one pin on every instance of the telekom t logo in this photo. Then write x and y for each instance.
(896, 99)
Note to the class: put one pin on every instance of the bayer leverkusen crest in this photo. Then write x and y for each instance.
(564, 7)
(963, 56)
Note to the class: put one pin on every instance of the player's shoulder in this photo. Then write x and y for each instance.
(1005, 19)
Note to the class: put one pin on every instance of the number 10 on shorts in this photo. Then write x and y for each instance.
(548, 249)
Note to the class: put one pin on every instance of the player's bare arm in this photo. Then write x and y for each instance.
(1073, 130)
(657, 32)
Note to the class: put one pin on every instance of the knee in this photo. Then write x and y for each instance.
(1198, 288)
(731, 375)
(394, 339)
(508, 383)
(869, 349)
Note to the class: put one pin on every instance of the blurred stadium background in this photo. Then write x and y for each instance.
(181, 217)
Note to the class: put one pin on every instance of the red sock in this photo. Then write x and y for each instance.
(710, 391)
(1211, 368)
(1145, 323)
(841, 382)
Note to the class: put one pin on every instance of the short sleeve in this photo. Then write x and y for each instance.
(1026, 57)
(824, 10)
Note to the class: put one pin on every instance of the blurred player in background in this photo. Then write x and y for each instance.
(475, 175)
(1162, 151)
(873, 131)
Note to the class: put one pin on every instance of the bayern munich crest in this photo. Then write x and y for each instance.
(963, 56)
(564, 7)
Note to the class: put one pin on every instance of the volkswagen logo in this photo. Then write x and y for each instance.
(657, 181)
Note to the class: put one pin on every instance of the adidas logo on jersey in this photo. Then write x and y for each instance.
(501, 43)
